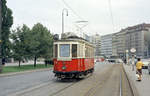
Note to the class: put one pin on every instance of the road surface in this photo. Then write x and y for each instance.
(105, 81)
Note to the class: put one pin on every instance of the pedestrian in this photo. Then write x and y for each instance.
(139, 65)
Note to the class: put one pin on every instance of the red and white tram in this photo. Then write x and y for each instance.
(73, 57)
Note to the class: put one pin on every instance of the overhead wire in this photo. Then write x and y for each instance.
(111, 14)
(67, 5)
(75, 13)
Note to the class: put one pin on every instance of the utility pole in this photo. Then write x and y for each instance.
(1, 36)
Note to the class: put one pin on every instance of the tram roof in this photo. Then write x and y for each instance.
(74, 40)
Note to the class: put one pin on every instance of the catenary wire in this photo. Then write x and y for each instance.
(111, 14)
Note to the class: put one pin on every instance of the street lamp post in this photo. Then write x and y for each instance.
(133, 50)
(63, 18)
(127, 56)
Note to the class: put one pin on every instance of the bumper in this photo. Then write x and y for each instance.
(71, 72)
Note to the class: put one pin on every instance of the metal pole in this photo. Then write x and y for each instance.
(63, 19)
(127, 56)
(0, 35)
(62, 22)
(133, 62)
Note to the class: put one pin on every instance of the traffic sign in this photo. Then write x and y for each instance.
(132, 50)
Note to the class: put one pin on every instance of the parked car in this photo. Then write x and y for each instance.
(145, 62)
(111, 60)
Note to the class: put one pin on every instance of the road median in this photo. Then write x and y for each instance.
(15, 70)
(133, 86)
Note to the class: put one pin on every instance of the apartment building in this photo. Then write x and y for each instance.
(138, 37)
(119, 43)
(95, 40)
(106, 45)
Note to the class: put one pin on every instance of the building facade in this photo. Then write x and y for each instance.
(106, 45)
(119, 43)
(138, 37)
(95, 40)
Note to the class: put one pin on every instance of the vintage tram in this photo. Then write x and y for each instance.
(73, 57)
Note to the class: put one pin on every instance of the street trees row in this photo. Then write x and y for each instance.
(5, 25)
(31, 43)
(22, 43)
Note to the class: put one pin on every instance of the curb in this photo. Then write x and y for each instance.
(134, 89)
(24, 72)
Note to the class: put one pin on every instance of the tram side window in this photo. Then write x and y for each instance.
(74, 50)
(64, 50)
(86, 51)
(56, 50)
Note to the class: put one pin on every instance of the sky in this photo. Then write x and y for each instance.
(97, 12)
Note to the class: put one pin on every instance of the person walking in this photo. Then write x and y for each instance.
(139, 65)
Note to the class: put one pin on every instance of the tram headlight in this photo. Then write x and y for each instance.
(64, 67)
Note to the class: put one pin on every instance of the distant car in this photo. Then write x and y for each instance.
(145, 62)
(149, 67)
(119, 61)
(111, 60)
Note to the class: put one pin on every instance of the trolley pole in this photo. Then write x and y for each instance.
(1, 36)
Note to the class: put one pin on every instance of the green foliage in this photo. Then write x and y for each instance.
(20, 41)
(7, 21)
(41, 42)
(32, 44)
(8, 69)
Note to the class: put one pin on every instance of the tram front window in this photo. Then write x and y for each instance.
(64, 50)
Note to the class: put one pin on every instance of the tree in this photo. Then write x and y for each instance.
(41, 42)
(0, 35)
(7, 21)
(20, 41)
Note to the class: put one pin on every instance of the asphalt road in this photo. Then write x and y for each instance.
(104, 81)
(16, 83)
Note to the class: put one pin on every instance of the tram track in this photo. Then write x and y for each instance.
(99, 84)
(74, 82)
(87, 78)
(124, 87)
(109, 81)
(53, 94)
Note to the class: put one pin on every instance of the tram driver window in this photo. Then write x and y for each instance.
(74, 50)
(64, 50)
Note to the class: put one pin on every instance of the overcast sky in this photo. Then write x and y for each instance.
(96, 12)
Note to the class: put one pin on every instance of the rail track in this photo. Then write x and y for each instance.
(111, 81)
(123, 87)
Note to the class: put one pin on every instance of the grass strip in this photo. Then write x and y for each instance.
(8, 69)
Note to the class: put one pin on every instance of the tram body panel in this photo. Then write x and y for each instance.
(73, 58)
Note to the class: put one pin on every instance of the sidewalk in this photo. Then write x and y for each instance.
(142, 87)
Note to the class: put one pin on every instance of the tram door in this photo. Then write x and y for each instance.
(80, 57)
